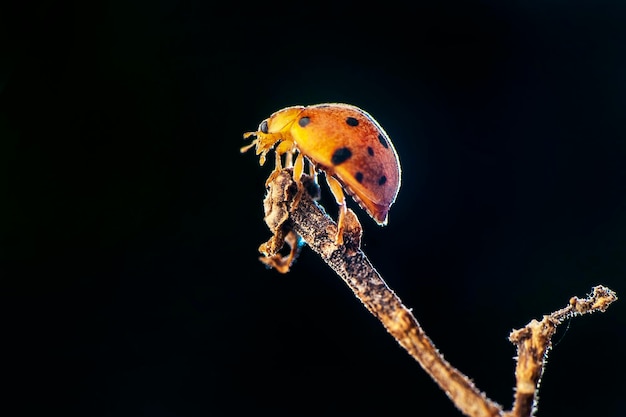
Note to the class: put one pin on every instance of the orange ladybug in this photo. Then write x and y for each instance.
(345, 143)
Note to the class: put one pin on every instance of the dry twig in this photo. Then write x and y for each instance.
(307, 221)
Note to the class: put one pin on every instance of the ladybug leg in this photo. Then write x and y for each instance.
(298, 169)
(278, 166)
(337, 190)
(288, 159)
(285, 147)
(313, 171)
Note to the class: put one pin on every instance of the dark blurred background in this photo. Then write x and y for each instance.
(129, 220)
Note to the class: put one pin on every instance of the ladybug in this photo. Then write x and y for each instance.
(342, 141)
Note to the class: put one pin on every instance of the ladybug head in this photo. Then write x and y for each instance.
(272, 130)
(281, 120)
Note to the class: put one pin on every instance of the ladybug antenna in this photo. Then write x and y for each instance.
(254, 142)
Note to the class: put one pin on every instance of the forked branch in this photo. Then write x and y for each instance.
(290, 222)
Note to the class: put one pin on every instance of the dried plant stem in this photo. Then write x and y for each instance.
(308, 220)
(534, 341)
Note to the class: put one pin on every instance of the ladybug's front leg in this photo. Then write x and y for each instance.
(283, 147)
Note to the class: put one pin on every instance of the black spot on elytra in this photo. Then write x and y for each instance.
(351, 121)
(359, 177)
(382, 180)
(304, 121)
(263, 127)
(382, 140)
(370, 151)
(340, 155)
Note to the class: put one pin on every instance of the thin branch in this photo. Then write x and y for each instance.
(294, 217)
(534, 341)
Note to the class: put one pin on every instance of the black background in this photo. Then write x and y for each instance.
(130, 221)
